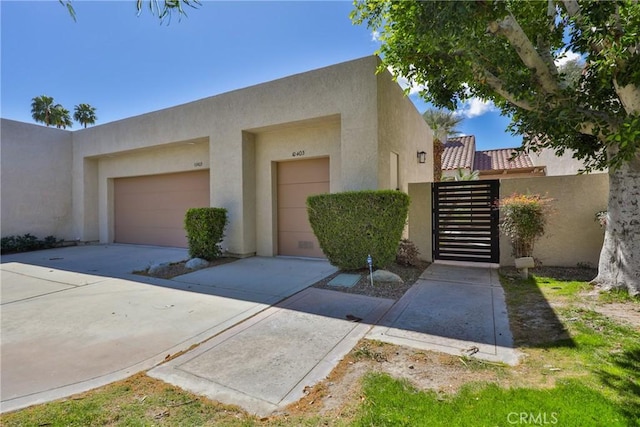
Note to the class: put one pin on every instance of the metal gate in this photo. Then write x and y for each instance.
(465, 221)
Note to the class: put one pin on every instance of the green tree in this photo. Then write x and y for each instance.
(85, 114)
(41, 109)
(61, 117)
(506, 52)
(443, 123)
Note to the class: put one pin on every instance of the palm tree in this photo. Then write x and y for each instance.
(463, 175)
(85, 114)
(60, 117)
(41, 109)
(443, 123)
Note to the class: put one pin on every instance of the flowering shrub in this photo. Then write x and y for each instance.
(524, 217)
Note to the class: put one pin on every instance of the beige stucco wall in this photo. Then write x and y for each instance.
(572, 236)
(401, 130)
(557, 165)
(346, 112)
(36, 180)
(234, 124)
(420, 221)
(304, 140)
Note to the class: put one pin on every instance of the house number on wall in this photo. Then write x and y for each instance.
(297, 153)
(197, 164)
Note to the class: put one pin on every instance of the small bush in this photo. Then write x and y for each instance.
(351, 225)
(524, 217)
(407, 253)
(27, 242)
(205, 231)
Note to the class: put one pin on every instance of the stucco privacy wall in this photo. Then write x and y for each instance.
(332, 111)
(572, 236)
(35, 180)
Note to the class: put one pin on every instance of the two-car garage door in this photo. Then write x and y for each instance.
(150, 209)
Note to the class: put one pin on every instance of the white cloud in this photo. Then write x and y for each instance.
(566, 57)
(375, 36)
(414, 88)
(475, 107)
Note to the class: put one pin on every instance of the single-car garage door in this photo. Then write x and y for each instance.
(149, 210)
(297, 180)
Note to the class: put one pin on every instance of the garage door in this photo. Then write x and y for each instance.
(297, 180)
(150, 210)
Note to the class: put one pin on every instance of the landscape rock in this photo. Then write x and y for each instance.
(386, 276)
(196, 263)
(158, 268)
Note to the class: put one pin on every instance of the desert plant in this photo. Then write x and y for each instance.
(27, 242)
(524, 217)
(205, 231)
(407, 253)
(354, 224)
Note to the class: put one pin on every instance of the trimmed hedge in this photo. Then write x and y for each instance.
(351, 225)
(205, 231)
(27, 242)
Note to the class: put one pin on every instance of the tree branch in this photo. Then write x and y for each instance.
(514, 33)
(629, 96)
(497, 85)
(572, 7)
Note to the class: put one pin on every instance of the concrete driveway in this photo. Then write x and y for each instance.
(76, 318)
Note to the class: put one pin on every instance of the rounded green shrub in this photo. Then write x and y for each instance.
(205, 231)
(354, 224)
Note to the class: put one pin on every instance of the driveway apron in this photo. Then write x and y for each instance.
(65, 331)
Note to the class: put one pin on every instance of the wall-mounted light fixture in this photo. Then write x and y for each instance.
(422, 157)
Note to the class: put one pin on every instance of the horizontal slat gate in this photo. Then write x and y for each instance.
(465, 221)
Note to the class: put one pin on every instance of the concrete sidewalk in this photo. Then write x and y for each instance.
(65, 331)
(266, 362)
(452, 309)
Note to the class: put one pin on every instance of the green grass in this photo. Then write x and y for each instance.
(391, 402)
(590, 378)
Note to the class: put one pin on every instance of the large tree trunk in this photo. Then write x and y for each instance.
(619, 266)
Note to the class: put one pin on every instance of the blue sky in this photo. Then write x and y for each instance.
(125, 65)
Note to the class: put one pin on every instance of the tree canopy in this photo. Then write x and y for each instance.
(443, 123)
(508, 52)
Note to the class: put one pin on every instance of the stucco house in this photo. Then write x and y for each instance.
(258, 152)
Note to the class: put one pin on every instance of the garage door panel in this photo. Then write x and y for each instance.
(298, 180)
(303, 171)
(295, 195)
(294, 219)
(299, 244)
(151, 209)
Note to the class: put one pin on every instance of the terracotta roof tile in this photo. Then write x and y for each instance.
(458, 152)
(501, 160)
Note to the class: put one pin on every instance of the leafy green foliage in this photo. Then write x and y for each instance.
(524, 217)
(27, 242)
(508, 52)
(205, 231)
(352, 225)
(43, 110)
(85, 114)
